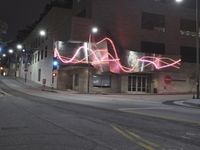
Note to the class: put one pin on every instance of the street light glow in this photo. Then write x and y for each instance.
(10, 51)
(23, 50)
(4, 55)
(19, 46)
(42, 33)
(179, 1)
(95, 30)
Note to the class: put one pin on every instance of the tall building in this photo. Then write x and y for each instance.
(3, 29)
(142, 46)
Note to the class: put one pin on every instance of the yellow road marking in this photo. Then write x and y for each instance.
(142, 139)
(135, 138)
(164, 117)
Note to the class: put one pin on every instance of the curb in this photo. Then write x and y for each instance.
(192, 104)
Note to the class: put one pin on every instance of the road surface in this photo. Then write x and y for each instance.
(32, 119)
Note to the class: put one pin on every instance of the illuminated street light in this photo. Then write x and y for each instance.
(42, 33)
(4, 55)
(179, 1)
(10, 51)
(1, 68)
(19, 46)
(94, 30)
(23, 50)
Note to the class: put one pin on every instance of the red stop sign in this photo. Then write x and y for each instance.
(167, 79)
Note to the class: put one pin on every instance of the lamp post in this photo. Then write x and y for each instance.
(44, 33)
(94, 30)
(20, 47)
(197, 46)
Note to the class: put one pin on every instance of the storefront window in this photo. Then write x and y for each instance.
(101, 81)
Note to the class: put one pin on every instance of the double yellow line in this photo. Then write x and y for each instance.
(135, 138)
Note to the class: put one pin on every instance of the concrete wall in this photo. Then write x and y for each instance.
(182, 80)
(56, 23)
(125, 25)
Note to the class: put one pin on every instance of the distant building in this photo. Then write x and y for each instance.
(146, 41)
(3, 29)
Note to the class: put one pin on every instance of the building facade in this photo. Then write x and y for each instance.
(143, 46)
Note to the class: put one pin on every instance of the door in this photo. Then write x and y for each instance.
(138, 83)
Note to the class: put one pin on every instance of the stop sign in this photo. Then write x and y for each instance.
(167, 79)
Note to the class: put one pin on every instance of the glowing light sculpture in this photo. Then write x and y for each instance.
(98, 57)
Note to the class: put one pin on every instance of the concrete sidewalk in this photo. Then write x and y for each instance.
(185, 99)
(193, 102)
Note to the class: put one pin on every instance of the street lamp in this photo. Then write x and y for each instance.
(197, 47)
(42, 33)
(179, 1)
(10, 51)
(94, 30)
(19, 46)
(3, 55)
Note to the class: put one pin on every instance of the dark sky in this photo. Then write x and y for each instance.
(20, 13)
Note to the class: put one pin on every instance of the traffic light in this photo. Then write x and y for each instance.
(55, 63)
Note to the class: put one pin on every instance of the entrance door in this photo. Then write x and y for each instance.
(138, 83)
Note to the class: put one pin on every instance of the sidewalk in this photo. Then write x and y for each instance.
(193, 102)
(35, 87)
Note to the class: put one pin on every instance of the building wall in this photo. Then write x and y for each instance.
(56, 23)
(123, 22)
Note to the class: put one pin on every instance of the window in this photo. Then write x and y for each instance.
(101, 81)
(32, 59)
(45, 51)
(38, 55)
(188, 27)
(82, 13)
(188, 54)
(42, 54)
(153, 22)
(76, 79)
(39, 74)
(138, 83)
(35, 57)
(191, 4)
(152, 47)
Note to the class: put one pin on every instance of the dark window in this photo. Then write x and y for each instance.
(153, 22)
(39, 74)
(76, 79)
(102, 81)
(42, 54)
(152, 47)
(45, 51)
(189, 4)
(82, 13)
(188, 54)
(38, 55)
(188, 27)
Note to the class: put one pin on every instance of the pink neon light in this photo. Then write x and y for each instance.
(98, 57)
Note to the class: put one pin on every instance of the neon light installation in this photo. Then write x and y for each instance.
(99, 57)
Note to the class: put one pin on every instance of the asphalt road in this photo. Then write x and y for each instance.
(36, 120)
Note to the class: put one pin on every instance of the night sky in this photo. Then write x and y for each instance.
(20, 13)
